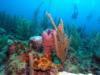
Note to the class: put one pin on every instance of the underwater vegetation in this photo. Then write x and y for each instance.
(30, 47)
(15, 26)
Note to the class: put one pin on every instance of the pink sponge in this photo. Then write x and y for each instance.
(48, 41)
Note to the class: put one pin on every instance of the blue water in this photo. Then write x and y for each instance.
(60, 8)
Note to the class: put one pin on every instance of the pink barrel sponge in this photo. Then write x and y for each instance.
(48, 42)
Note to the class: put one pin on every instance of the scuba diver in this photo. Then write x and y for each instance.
(75, 13)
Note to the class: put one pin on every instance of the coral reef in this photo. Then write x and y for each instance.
(34, 63)
(68, 47)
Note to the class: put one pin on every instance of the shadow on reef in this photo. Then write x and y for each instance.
(18, 37)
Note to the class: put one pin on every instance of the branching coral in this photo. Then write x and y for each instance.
(60, 40)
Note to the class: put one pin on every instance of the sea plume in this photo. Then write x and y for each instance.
(60, 39)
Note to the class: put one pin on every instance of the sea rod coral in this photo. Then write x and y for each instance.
(60, 39)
